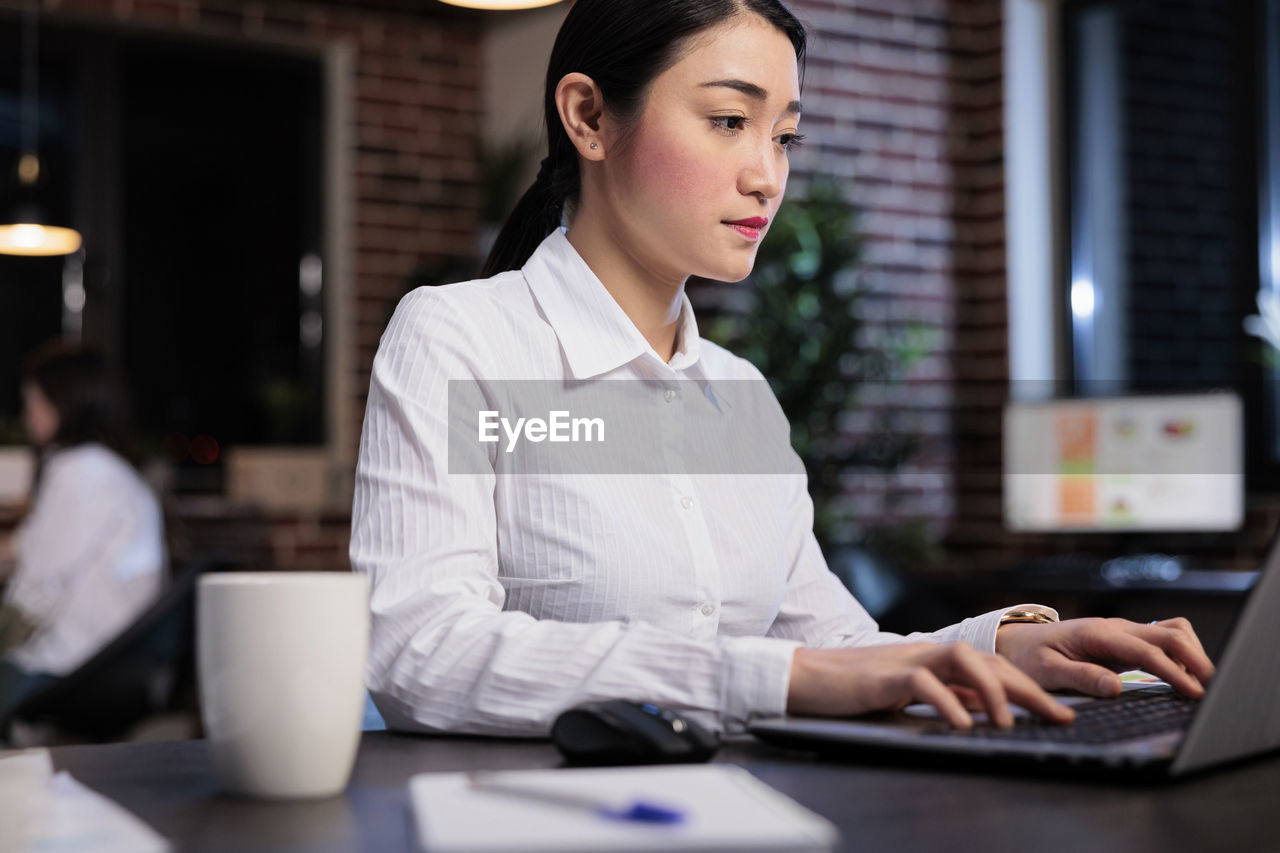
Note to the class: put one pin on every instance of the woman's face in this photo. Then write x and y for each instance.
(39, 416)
(705, 167)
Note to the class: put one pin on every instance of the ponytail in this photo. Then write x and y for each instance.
(622, 45)
(536, 215)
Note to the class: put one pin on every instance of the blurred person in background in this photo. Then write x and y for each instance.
(90, 555)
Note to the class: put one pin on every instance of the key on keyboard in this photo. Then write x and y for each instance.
(1133, 714)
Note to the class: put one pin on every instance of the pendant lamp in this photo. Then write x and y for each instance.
(25, 228)
(500, 5)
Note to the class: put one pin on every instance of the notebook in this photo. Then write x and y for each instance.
(724, 808)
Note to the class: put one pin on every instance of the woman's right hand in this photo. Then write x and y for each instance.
(844, 682)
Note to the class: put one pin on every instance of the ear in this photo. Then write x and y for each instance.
(581, 107)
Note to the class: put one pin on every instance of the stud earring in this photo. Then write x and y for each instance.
(595, 145)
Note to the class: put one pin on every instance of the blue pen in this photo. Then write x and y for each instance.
(640, 811)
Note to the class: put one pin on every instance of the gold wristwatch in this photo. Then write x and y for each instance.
(1031, 617)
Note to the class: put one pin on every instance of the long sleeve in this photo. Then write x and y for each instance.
(820, 612)
(445, 655)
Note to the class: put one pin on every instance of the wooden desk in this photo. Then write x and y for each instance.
(171, 786)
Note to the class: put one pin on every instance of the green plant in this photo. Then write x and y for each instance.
(502, 167)
(285, 404)
(11, 431)
(797, 319)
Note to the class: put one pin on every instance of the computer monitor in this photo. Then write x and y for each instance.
(1158, 463)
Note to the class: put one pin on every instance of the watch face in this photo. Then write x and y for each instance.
(1019, 616)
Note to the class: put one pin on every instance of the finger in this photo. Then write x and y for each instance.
(968, 697)
(1181, 624)
(1023, 690)
(1179, 642)
(926, 687)
(972, 669)
(1152, 658)
(1184, 647)
(1086, 677)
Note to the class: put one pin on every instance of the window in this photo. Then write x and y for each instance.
(220, 153)
(1162, 129)
(196, 176)
(1165, 130)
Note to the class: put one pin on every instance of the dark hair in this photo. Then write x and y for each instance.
(91, 405)
(622, 45)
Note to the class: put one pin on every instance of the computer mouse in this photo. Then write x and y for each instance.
(618, 731)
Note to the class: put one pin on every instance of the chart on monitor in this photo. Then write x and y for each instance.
(1158, 463)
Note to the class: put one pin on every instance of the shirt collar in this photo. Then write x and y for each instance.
(595, 334)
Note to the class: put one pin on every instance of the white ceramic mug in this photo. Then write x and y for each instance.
(281, 659)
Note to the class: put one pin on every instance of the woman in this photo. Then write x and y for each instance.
(500, 600)
(90, 556)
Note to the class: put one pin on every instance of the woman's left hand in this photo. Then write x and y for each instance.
(1065, 655)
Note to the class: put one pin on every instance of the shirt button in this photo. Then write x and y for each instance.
(708, 609)
(686, 502)
(670, 394)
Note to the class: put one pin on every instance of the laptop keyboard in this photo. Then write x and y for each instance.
(1133, 714)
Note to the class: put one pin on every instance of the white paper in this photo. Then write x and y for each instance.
(726, 808)
(42, 812)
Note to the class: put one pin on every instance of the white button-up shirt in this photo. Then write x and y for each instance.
(90, 558)
(500, 600)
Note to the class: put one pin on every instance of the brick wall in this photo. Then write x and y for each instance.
(981, 359)
(416, 114)
(903, 100)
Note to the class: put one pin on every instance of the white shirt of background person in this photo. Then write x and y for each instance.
(90, 558)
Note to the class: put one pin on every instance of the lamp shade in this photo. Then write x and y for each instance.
(26, 228)
(32, 238)
(500, 5)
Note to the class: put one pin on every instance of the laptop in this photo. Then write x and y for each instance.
(1150, 731)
